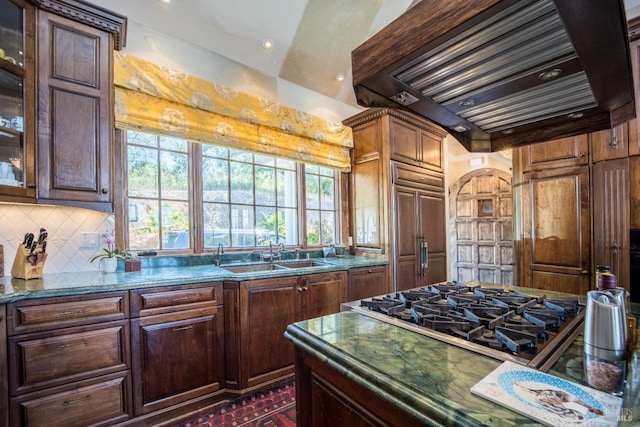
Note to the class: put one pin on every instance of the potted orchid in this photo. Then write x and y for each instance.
(108, 261)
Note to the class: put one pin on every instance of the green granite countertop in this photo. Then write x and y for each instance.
(427, 378)
(163, 274)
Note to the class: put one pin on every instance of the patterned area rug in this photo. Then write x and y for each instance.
(275, 407)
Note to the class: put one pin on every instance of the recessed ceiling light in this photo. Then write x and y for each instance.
(267, 43)
(467, 103)
(575, 115)
(550, 74)
(166, 1)
(340, 77)
(460, 128)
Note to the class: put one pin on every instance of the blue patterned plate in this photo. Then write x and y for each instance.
(551, 394)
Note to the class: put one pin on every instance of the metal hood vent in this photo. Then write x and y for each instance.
(498, 74)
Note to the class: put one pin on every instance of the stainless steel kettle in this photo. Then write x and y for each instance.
(605, 340)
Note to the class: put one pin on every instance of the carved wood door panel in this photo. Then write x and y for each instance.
(481, 223)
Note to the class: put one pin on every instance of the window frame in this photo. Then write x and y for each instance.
(195, 185)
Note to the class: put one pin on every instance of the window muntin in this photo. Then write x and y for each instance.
(247, 200)
(320, 191)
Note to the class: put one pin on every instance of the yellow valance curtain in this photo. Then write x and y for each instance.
(157, 99)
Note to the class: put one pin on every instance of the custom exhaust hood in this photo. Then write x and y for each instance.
(498, 74)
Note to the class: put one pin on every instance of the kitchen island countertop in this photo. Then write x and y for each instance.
(426, 378)
(64, 284)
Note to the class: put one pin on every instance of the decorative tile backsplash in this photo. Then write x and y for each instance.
(65, 226)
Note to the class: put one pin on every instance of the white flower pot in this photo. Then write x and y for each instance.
(108, 265)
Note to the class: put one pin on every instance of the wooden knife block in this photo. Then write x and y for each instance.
(22, 269)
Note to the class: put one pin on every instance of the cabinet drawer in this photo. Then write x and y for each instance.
(53, 313)
(49, 359)
(97, 402)
(165, 300)
(417, 177)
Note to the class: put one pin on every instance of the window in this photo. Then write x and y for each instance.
(158, 192)
(321, 207)
(247, 200)
(257, 206)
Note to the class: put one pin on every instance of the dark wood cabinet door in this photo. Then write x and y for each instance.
(634, 192)
(323, 294)
(367, 282)
(47, 359)
(611, 217)
(75, 121)
(407, 256)
(431, 150)
(100, 401)
(433, 232)
(404, 140)
(176, 357)
(571, 151)
(367, 194)
(556, 224)
(269, 306)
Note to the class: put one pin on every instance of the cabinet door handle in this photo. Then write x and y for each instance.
(104, 191)
(71, 402)
(614, 138)
(304, 288)
(72, 312)
(182, 328)
(31, 185)
(70, 345)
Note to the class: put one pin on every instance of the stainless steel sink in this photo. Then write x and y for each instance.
(251, 268)
(301, 264)
(264, 266)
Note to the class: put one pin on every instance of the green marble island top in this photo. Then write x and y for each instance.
(427, 378)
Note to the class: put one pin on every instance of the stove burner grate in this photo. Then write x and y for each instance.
(505, 320)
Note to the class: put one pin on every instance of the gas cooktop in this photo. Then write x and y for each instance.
(505, 324)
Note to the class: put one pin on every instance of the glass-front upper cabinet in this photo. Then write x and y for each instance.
(15, 83)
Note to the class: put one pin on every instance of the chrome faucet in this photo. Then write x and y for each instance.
(220, 251)
(282, 249)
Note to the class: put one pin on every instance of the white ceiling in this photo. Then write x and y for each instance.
(312, 39)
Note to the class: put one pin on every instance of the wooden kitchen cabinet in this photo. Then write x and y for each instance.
(611, 217)
(257, 315)
(634, 192)
(96, 402)
(4, 378)
(556, 230)
(75, 113)
(414, 144)
(565, 152)
(420, 238)
(610, 144)
(68, 360)
(397, 194)
(368, 170)
(367, 282)
(177, 345)
(63, 154)
(17, 102)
